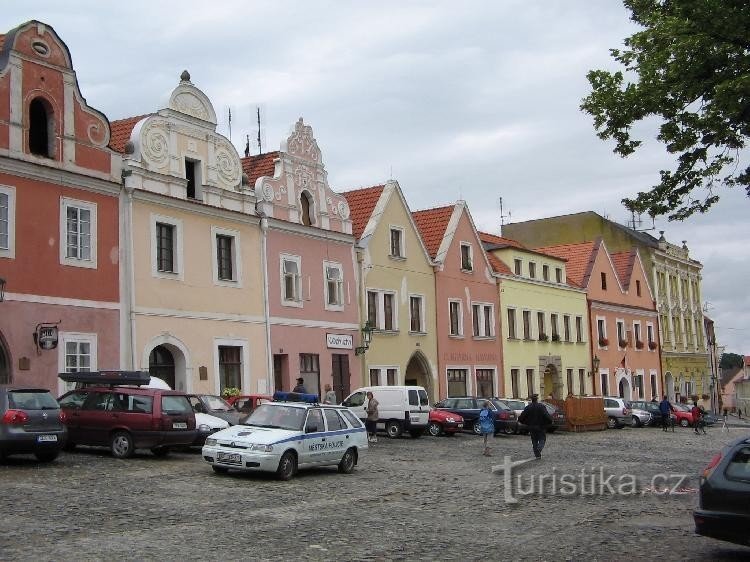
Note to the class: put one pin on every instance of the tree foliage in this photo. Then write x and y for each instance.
(731, 360)
(691, 69)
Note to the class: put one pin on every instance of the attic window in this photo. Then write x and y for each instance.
(305, 204)
(638, 287)
(604, 281)
(41, 128)
(191, 172)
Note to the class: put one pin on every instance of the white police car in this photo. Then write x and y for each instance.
(281, 437)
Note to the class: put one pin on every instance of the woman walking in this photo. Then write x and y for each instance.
(372, 418)
(487, 425)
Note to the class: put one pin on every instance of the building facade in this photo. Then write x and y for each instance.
(59, 239)
(469, 352)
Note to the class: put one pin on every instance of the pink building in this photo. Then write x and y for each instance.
(469, 358)
(310, 264)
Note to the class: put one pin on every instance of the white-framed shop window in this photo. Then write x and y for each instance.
(76, 353)
(231, 364)
(77, 233)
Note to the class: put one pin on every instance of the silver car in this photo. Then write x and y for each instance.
(641, 418)
(618, 412)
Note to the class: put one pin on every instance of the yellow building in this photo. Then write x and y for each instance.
(397, 290)
(674, 275)
(545, 331)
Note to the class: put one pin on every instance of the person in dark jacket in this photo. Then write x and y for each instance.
(300, 386)
(666, 412)
(536, 417)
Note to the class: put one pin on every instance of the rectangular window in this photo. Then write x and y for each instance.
(397, 243)
(566, 327)
(224, 257)
(639, 385)
(638, 287)
(532, 270)
(637, 336)
(581, 382)
(558, 274)
(654, 393)
(545, 272)
(77, 233)
(517, 266)
(454, 312)
(77, 356)
(621, 341)
(292, 279)
(381, 310)
(165, 247)
(604, 281)
(230, 367)
(466, 258)
(374, 377)
(390, 377)
(8, 222)
(515, 375)
(541, 326)
(482, 319)
(579, 329)
(190, 169)
(605, 384)
(512, 323)
(334, 285)
(527, 324)
(530, 381)
(650, 334)
(372, 308)
(389, 323)
(601, 332)
(485, 386)
(4, 221)
(570, 381)
(554, 327)
(457, 382)
(415, 314)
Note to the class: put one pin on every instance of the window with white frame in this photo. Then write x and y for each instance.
(455, 314)
(554, 326)
(226, 261)
(512, 331)
(532, 270)
(545, 272)
(566, 327)
(334, 287)
(416, 314)
(291, 280)
(601, 328)
(166, 247)
(381, 310)
(485, 383)
(467, 263)
(77, 353)
(517, 266)
(397, 242)
(7, 222)
(457, 382)
(621, 338)
(230, 367)
(650, 335)
(515, 382)
(383, 376)
(77, 233)
(581, 382)
(579, 329)
(570, 380)
(527, 324)
(540, 326)
(530, 382)
(637, 335)
(482, 320)
(559, 274)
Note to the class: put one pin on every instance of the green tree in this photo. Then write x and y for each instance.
(690, 69)
(731, 360)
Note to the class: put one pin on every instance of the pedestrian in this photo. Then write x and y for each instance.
(300, 386)
(725, 413)
(739, 413)
(330, 396)
(695, 411)
(486, 425)
(536, 417)
(665, 408)
(372, 418)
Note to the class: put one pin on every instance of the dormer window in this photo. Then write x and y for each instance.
(466, 256)
(192, 174)
(305, 204)
(41, 128)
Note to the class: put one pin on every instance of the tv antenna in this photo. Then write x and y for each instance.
(503, 216)
(636, 223)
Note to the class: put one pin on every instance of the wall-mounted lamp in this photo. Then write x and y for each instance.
(2, 289)
(366, 339)
(595, 364)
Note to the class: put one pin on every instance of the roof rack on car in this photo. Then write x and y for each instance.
(295, 397)
(108, 378)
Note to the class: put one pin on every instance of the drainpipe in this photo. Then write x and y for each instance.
(594, 376)
(127, 308)
(364, 376)
(266, 308)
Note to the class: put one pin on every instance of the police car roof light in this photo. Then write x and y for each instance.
(295, 397)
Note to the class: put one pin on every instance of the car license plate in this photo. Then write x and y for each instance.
(179, 425)
(47, 438)
(233, 457)
(460, 425)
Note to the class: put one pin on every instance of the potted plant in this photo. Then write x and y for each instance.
(543, 337)
(652, 345)
(638, 344)
(230, 391)
(603, 342)
(555, 337)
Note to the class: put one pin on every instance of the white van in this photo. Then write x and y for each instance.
(400, 408)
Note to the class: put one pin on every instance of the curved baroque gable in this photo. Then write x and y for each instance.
(188, 99)
(302, 144)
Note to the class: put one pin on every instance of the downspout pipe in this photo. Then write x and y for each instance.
(266, 307)
(127, 308)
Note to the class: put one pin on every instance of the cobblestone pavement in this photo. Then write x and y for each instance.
(431, 498)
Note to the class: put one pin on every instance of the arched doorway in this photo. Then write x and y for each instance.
(551, 383)
(624, 388)
(161, 364)
(669, 386)
(418, 373)
(5, 374)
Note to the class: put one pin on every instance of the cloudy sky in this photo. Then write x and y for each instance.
(471, 100)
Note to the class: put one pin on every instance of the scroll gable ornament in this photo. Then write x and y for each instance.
(228, 164)
(302, 144)
(155, 143)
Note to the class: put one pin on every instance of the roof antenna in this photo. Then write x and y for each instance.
(260, 144)
(247, 146)
(230, 124)
(390, 177)
(503, 216)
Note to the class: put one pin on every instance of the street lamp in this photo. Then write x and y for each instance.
(366, 339)
(2, 289)
(595, 364)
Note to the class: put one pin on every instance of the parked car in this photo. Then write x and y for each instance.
(617, 411)
(640, 416)
(214, 406)
(683, 415)
(401, 408)
(246, 403)
(129, 418)
(557, 415)
(282, 437)
(724, 498)
(517, 405)
(710, 418)
(207, 425)
(31, 422)
(469, 407)
(444, 423)
(651, 407)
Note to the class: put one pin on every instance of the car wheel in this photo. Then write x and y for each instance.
(434, 429)
(46, 456)
(635, 422)
(477, 428)
(611, 422)
(684, 422)
(346, 466)
(508, 430)
(121, 445)
(393, 429)
(160, 451)
(220, 469)
(287, 466)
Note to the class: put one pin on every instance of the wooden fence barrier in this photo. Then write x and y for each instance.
(583, 413)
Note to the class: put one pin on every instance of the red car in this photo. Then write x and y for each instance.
(248, 402)
(443, 422)
(683, 415)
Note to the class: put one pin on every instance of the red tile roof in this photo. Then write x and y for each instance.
(362, 203)
(432, 224)
(580, 258)
(497, 265)
(120, 132)
(259, 165)
(623, 262)
(499, 241)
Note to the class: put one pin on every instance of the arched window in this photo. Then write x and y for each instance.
(40, 128)
(306, 204)
(161, 365)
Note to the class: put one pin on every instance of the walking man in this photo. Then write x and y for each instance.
(536, 417)
(666, 411)
(372, 418)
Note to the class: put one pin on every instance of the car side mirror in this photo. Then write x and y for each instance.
(311, 429)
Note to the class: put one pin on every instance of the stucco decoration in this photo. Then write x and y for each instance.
(228, 163)
(155, 142)
(302, 144)
(188, 99)
(302, 177)
(267, 192)
(343, 210)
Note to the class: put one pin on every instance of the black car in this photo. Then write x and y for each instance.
(724, 508)
(651, 407)
(469, 407)
(215, 406)
(557, 415)
(31, 422)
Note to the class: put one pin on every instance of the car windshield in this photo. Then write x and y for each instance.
(277, 417)
(216, 403)
(500, 405)
(173, 404)
(32, 400)
(681, 408)
(515, 404)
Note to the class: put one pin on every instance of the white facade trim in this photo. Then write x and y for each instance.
(59, 301)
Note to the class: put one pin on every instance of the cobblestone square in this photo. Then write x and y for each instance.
(431, 498)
